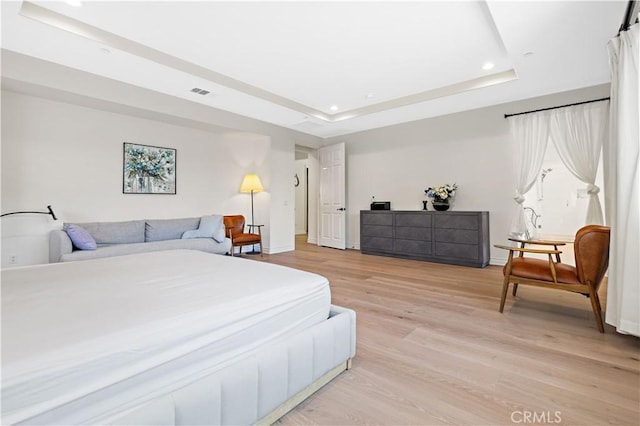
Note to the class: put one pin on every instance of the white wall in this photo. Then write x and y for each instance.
(397, 163)
(274, 207)
(282, 198)
(70, 156)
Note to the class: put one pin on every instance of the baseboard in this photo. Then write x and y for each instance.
(281, 249)
(312, 240)
(498, 261)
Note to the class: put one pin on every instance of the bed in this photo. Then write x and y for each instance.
(176, 337)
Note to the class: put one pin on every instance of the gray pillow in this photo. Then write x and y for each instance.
(169, 229)
(210, 227)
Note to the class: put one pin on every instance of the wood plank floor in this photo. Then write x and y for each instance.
(433, 349)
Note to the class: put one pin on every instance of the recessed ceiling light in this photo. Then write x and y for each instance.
(74, 3)
(334, 107)
(370, 95)
(488, 66)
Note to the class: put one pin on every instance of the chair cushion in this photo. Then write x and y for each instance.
(246, 239)
(538, 269)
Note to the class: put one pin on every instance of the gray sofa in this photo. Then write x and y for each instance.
(137, 236)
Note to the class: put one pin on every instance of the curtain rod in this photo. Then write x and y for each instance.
(628, 16)
(556, 107)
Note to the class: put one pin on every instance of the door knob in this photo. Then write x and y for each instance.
(341, 209)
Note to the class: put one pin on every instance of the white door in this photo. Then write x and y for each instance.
(332, 197)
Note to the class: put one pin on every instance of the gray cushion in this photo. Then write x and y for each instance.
(106, 233)
(169, 229)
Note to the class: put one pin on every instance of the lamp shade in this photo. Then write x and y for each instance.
(251, 183)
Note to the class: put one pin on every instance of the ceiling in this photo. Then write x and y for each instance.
(327, 68)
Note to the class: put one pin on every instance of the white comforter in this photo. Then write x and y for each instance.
(139, 324)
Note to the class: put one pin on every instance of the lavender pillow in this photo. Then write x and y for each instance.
(80, 238)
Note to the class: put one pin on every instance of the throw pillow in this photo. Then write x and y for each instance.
(80, 238)
(210, 227)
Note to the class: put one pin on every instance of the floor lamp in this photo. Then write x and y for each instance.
(251, 184)
(48, 212)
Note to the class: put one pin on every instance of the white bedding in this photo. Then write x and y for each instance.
(81, 338)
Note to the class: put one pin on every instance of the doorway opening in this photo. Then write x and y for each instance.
(301, 183)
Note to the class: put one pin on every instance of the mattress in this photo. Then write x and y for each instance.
(82, 339)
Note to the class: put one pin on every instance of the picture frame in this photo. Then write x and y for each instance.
(148, 169)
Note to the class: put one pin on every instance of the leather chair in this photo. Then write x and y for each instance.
(591, 247)
(235, 226)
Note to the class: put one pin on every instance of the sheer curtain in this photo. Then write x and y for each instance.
(578, 133)
(530, 134)
(622, 184)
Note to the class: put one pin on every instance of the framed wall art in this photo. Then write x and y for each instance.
(148, 169)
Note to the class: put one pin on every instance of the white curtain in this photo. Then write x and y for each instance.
(622, 184)
(530, 134)
(578, 133)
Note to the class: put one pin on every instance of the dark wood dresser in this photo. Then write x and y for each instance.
(456, 237)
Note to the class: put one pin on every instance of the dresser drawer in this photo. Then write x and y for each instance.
(379, 244)
(413, 219)
(457, 221)
(412, 247)
(377, 231)
(369, 218)
(462, 236)
(457, 251)
(407, 233)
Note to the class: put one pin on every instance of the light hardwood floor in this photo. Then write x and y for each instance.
(433, 349)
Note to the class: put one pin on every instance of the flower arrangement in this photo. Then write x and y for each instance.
(441, 193)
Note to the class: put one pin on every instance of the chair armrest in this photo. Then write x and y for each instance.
(250, 229)
(555, 245)
(522, 250)
(527, 250)
(539, 242)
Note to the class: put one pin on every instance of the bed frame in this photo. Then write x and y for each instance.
(256, 389)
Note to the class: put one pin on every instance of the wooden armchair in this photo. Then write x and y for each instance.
(235, 229)
(591, 247)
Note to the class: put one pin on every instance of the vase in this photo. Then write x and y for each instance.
(440, 206)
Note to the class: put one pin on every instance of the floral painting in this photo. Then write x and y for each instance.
(149, 170)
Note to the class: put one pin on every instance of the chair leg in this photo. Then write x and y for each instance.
(233, 250)
(597, 309)
(505, 288)
(515, 289)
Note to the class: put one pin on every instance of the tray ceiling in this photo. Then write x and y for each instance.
(327, 68)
